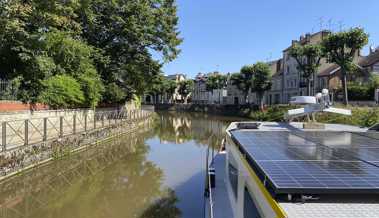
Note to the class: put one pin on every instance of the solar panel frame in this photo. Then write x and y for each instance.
(288, 180)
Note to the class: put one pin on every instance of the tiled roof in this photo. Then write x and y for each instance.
(369, 60)
(329, 70)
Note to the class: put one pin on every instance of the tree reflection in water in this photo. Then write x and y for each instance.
(163, 207)
(113, 180)
(183, 127)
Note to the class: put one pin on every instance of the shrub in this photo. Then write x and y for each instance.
(359, 92)
(62, 91)
(114, 94)
(92, 88)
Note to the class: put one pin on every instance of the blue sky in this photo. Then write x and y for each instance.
(227, 34)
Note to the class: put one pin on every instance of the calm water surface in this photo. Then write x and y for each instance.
(156, 173)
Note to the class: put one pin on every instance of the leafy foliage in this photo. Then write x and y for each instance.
(62, 91)
(113, 39)
(185, 88)
(261, 80)
(114, 94)
(308, 60)
(341, 48)
(216, 81)
(244, 80)
(92, 88)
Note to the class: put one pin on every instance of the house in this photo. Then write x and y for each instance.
(367, 65)
(294, 83)
(167, 97)
(200, 92)
(275, 95)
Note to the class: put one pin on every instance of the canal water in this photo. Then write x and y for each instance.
(155, 173)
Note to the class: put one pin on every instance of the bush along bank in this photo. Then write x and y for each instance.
(362, 116)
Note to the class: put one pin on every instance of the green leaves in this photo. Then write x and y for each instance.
(95, 42)
(62, 91)
(243, 80)
(341, 47)
(307, 57)
(186, 87)
(216, 81)
(261, 81)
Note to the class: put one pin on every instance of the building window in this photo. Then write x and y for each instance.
(250, 209)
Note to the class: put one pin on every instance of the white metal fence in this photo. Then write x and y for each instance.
(16, 133)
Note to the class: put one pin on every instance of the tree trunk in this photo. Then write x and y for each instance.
(344, 87)
(246, 99)
(314, 83)
(261, 102)
(308, 87)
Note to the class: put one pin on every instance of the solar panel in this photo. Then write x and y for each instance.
(313, 162)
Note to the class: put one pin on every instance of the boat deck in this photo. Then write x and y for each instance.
(221, 204)
(339, 205)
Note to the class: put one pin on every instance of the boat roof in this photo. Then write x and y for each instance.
(325, 147)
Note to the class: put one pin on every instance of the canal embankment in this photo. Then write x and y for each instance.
(29, 139)
(364, 116)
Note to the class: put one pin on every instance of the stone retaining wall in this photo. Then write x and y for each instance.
(25, 157)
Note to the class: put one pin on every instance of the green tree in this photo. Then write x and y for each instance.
(244, 81)
(261, 80)
(185, 89)
(341, 48)
(92, 88)
(216, 81)
(127, 32)
(62, 91)
(40, 39)
(113, 94)
(171, 87)
(308, 59)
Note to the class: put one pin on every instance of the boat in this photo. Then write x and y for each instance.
(295, 170)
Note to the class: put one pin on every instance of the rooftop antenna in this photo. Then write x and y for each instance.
(313, 104)
(321, 22)
(330, 23)
(269, 58)
(341, 25)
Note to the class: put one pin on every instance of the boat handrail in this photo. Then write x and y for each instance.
(209, 186)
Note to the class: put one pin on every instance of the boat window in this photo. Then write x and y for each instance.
(233, 178)
(249, 208)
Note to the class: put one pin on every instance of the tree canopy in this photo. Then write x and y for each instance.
(97, 43)
(244, 80)
(341, 48)
(216, 81)
(261, 80)
(185, 88)
(308, 59)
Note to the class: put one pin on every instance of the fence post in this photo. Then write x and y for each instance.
(45, 129)
(94, 120)
(102, 120)
(4, 135)
(60, 126)
(85, 122)
(26, 132)
(74, 124)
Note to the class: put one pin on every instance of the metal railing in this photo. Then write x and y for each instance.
(208, 204)
(25, 132)
(8, 90)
